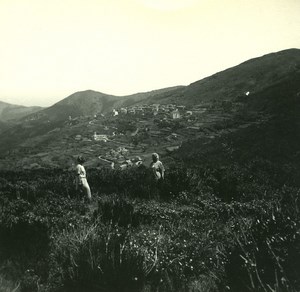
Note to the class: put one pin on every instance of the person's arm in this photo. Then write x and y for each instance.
(77, 176)
(77, 169)
(162, 170)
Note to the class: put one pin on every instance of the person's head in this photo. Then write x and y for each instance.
(155, 157)
(80, 159)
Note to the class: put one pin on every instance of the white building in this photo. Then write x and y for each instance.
(100, 137)
(175, 114)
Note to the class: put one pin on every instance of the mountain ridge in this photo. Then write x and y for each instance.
(10, 111)
(249, 75)
(266, 86)
(91, 102)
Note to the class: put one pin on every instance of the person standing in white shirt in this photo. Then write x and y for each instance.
(81, 180)
(157, 167)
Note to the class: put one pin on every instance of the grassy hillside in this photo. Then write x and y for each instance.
(9, 112)
(254, 76)
(280, 105)
(271, 145)
(81, 104)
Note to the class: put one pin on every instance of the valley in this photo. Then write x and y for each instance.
(125, 133)
(224, 104)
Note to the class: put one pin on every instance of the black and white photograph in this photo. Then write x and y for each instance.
(150, 146)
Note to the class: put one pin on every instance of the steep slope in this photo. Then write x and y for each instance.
(251, 76)
(276, 140)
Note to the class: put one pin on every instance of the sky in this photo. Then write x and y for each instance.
(53, 48)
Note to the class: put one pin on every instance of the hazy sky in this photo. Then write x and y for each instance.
(53, 48)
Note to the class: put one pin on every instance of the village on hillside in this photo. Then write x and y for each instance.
(127, 136)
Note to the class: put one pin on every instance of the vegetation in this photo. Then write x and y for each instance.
(202, 229)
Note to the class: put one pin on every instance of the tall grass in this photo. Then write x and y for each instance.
(203, 229)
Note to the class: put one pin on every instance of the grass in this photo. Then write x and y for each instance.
(185, 235)
(8, 286)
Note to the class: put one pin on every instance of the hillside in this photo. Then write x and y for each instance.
(251, 76)
(275, 139)
(89, 103)
(9, 112)
(219, 104)
(81, 104)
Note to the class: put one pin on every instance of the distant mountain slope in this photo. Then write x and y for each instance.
(272, 81)
(10, 112)
(253, 76)
(81, 104)
(91, 102)
(84, 103)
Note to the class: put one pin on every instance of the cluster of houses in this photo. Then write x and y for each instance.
(119, 159)
(155, 123)
(95, 137)
(169, 110)
(192, 119)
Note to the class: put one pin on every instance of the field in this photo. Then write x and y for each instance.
(203, 229)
